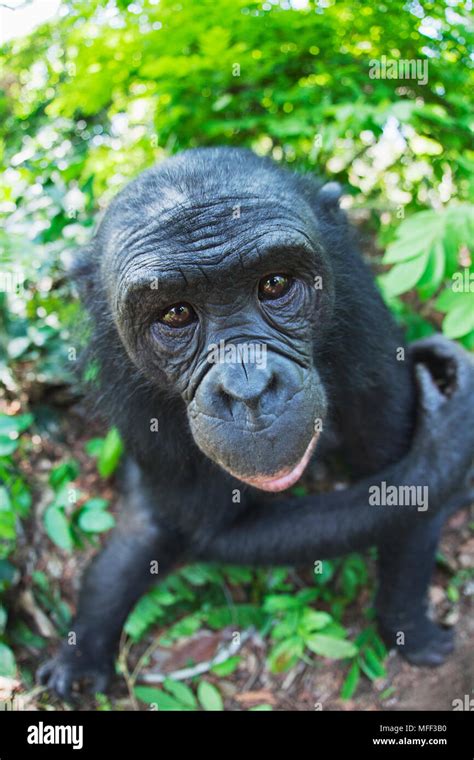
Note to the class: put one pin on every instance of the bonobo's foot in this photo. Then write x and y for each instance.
(426, 645)
(435, 651)
(69, 667)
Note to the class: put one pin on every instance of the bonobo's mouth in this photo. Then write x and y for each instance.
(285, 478)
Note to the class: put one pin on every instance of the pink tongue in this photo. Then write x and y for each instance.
(286, 478)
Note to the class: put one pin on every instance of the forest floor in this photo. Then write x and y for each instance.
(304, 687)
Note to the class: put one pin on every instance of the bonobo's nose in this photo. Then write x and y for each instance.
(251, 396)
(243, 383)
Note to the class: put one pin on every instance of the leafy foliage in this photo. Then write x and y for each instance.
(177, 696)
(425, 253)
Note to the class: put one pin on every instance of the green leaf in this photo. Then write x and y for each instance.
(350, 684)
(239, 575)
(285, 654)
(387, 693)
(447, 299)
(7, 662)
(21, 497)
(281, 603)
(199, 575)
(63, 474)
(460, 319)
(209, 697)
(403, 250)
(182, 629)
(453, 594)
(240, 615)
(327, 572)
(111, 454)
(415, 236)
(18, 424)
(434, 272)
(7, 525)
(371, 664)
(94, 447)
(96, 504)
(144, 614)
(327, 646)
(403, 277)
(7, 446)
(374, 663)
(95, 521)
(181, 692)
(57, 528)
(314, 621)
(23, 636)
(163, 701)
(226, 668)
(5, 501)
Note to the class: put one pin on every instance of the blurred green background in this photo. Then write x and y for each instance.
(98, 93)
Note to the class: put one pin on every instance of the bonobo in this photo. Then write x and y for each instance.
(240, 336)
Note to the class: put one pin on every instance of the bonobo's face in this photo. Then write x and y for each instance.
(213, 292)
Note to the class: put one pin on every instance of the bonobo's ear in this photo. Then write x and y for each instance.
(330, 194)
(83, 271)
(328, 198)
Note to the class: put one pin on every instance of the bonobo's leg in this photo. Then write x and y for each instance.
(116, 579)
(405, 567)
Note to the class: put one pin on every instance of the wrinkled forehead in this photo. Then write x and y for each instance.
(179, 231)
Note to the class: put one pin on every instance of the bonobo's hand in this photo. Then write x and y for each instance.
(73, 664)
(443, 449)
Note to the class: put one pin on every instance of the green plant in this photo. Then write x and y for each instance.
(67, 524)
(108, 452)
(15, 504)
(177, 696)
(427, 255)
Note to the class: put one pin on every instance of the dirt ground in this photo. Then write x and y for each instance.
(304, 687)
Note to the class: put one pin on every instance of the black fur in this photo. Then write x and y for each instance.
(222, 218)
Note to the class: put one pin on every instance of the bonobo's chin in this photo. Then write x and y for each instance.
(284, 479)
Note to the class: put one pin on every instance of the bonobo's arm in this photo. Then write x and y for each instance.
(331, 524)
(138, 549)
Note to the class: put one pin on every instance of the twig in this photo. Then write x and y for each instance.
(128, 678)
(203, 667)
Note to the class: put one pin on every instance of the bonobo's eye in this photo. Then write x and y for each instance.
(273, 286)
(178, 315)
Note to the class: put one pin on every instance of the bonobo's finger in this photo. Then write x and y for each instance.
(437, 345)
(99, 683)
(431, 398)
(61, 681)
(43, 674)
(451, 369)
(447, 360)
